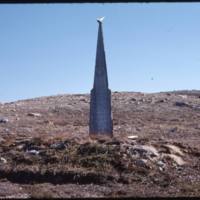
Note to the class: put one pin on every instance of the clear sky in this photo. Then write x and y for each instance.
(49, 49)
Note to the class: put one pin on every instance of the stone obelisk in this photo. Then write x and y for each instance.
(100, 124)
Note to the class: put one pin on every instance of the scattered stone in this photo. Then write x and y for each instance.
(160, 101)
(6, 130)
(58, 146)
(141, 163)
(161, 169)
(34, 114)
(83, 99)
(2, 140)
(196, 107)
(20, 147)
(172, 130)
(3, 120)
(161, 163)
(133, 99)
(181, 104)
(145, 151)
(132, 137)
(179, 168)
(3, 160)
(162, 181)
(138, 129)
(183, 96)
(33, 151)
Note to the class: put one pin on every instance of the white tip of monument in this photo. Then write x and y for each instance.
(100, 19)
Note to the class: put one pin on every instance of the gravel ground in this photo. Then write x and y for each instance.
(45, 149)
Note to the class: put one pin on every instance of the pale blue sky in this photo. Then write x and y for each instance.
(49, 49)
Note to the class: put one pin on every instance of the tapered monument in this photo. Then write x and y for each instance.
(100, 97)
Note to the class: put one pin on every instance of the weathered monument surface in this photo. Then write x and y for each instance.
(100, 99)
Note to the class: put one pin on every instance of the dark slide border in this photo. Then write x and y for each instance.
(91, 1)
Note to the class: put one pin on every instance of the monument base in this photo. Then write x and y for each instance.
(97, 136)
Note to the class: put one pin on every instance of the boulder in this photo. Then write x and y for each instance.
(173, 149)
(178, 160)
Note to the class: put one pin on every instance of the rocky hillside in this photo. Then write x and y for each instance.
(45, 149)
